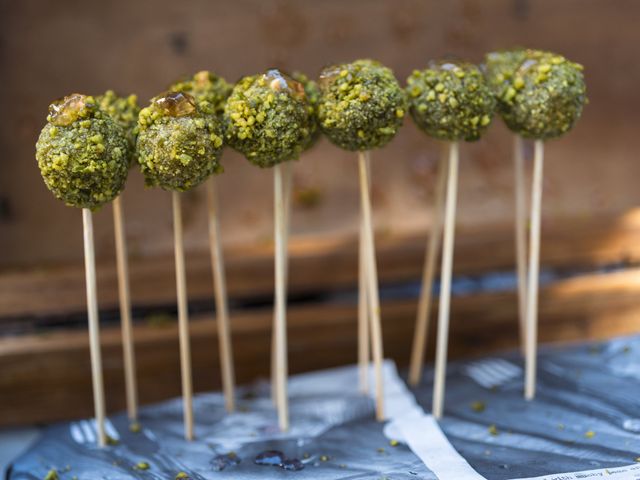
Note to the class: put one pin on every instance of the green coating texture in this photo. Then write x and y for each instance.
(209, 90)
(178, 145)
(82, 153)
(268, 118)
(451, 101)
(540, 94)
(124, 111)
(312, 91)
(361, 105)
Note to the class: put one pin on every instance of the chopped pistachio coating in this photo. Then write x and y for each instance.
(451, 101)
(361, 105)
(124, 111)
(209, 90)
(82, 153)
(178, 145)
(312, 91)
(268, 118)
(540, 94)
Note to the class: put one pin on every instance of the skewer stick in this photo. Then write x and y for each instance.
(287, 182)
(428, 273)
(125, 311)
(220, 291)
(521, 235)
(534, 264)
(363, 315)
(183, 319)
(94, 326)
(372, 283)
(445, 283)
(280, 299)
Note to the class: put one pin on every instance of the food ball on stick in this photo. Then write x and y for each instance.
(540, 96)
(449, 101)
(83, 158)
(178, 148)
(210, 93)
(361, 107)
(269, 120)
(124, 112)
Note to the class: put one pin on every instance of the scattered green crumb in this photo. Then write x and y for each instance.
(112, 441)
(74, 477)
(638, 459)
(493, 430)
(394, 443)
(324, 458)
(135, 427)
(626, 349)
(308, 197)
(478, 406)
(380, 450)
(159, 320)
(182, 475)
(561, 426)
(141, 466)
(52, 475)
(590, 434)
(342, 465)
(306, 455)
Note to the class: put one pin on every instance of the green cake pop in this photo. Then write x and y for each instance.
(124, 111)
(82, 153)
(178, 145)
(540, 94)
(209, 90)
(268, 118)
(450, 101)
(312, 91)
(361, 105)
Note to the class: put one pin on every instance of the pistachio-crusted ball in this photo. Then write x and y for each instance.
(312, 91)
(361, 105)
(451, 100)
(178, 145)
(543, 96)
(268, 118)
(124, 111)
(82, 153)
(209, 90)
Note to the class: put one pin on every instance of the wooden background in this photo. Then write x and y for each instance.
(590, 219)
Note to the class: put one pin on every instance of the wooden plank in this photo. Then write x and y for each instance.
(55, 367)
(317, 265)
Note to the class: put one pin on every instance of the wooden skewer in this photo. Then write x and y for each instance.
(445, 283)
(534, 264)
(372, 283)
(125, 311)
(428, 274)
(280, 299)
(287, 182)
(94, 326)
(520, 234)
(220, 291)
(183, 319)
(363, 315)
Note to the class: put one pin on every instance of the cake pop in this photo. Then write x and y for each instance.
(449, 101)
(269, 120)
(210, 93)
(361, 107)
(83, 158)
(540, 96)
(178, 148)
(124, 112)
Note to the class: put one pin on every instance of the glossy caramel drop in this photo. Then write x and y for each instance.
(279, 81)
(67, 110)
(176, 104)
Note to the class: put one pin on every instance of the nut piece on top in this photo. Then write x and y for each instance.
(209, 90)
(540, 94)
(450, 100)
(361, 105)
(124, 111)
(82, 153)
(312, 91)
(268, 119)
(178, 145)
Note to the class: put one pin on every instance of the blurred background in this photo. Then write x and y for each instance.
(591, 223)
